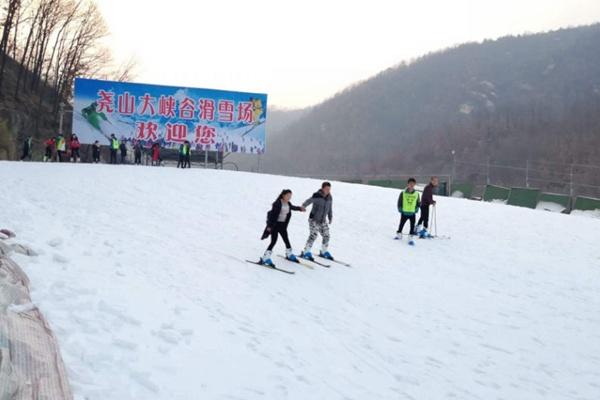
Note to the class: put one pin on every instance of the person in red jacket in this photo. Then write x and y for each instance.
(50, 143)
(74, 145)
(156, 154)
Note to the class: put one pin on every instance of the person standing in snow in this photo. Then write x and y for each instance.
(26, 149)
(137, 152)
(278, 220)
(114, 147)
(61, 147)
(408, 205)
(320, 214)
(74, 145)
(187, 156)
(155, 154)
(426, 201)
(50, 143)
(123, 148)
(181, 156)
(96, 152)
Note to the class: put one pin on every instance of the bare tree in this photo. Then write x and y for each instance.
(12, 9)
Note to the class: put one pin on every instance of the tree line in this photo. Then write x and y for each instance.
(52, 42)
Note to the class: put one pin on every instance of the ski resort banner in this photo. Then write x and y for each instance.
(214, 120)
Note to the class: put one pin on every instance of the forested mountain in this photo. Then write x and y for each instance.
(528, 97)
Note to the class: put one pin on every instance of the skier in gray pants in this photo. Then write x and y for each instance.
(320, 213)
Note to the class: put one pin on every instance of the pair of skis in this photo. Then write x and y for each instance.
(345, 264)
(302, 261)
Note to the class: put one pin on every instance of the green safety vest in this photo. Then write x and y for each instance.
(409, 202)
(114, 143)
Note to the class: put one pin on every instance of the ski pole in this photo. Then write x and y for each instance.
(435, 220)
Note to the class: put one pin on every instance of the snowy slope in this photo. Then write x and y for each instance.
(141, 279)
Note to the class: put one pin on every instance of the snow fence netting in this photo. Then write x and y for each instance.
(31, 366)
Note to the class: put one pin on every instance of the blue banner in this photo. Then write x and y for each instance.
(214, 120)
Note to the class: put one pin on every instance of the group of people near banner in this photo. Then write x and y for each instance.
(321, 216)
(58, 149)
(61, 149)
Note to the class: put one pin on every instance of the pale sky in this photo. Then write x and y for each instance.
(303, 52)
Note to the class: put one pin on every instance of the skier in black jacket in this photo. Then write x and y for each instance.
(27, 149)
(96, 152)
(426, 201)
(278, 220)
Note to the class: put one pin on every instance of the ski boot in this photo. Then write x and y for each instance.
(266, 259)
(326, 254)
(289, 254)
(307, 255)
(398, 236)
(423, 234)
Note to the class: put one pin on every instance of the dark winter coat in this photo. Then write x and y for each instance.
(96, 151)
(427, 198)
(274, 214)
(322, 207)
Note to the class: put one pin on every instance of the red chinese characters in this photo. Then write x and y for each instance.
(147, 131)
(226, 109)
(166, 106)
(176, 132)
(106, 101)
(205, 135)
(126, 103)
(187, 108)
(245, 113)
(207, 109)
(147, 104)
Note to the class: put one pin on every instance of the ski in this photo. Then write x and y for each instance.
(345, 264)
(443, 237)
(314, 261)
(271, 267)
(296, 262)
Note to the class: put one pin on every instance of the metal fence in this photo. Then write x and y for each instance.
(568, 179)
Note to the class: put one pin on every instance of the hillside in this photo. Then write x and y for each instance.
(141, 276)
(28, 114)
(531, 97)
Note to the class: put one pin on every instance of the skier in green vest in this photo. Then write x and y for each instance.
(187, 156)
(61, 147)
(114, 147)
(408, 206)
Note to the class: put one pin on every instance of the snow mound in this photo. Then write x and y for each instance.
(141, 274)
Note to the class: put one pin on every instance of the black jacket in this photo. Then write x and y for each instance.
(427, 198)
(274, 214)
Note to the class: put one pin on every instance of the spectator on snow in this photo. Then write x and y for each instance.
(26, 149)
(123, 148)
(96, 152)
(137, 151)
(74, 145)
(50, 144)
(61, 147)
(156, 154)
(114, 147)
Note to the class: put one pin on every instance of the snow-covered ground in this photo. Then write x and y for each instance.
(141, 275)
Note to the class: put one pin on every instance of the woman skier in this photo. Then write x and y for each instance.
(278, 220)
(74, 145)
